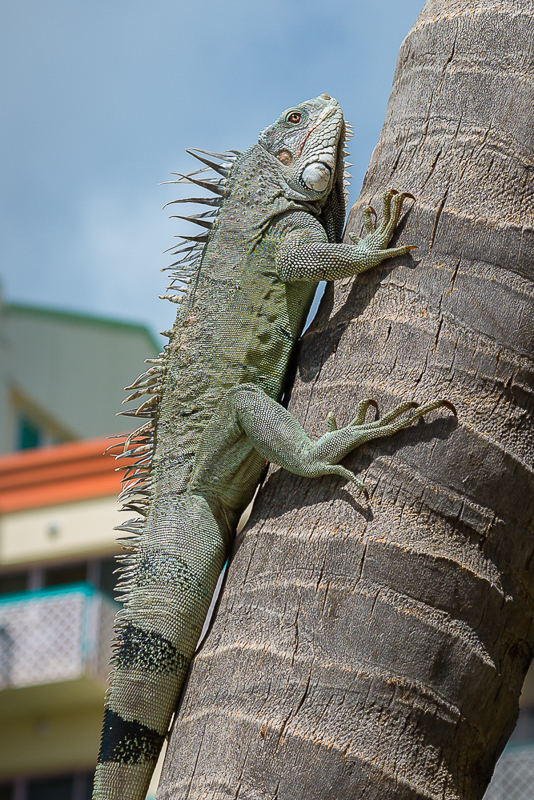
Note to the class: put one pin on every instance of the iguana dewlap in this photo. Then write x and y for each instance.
(244, 287)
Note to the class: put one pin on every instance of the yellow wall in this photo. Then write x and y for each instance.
(74, 529)
(50, 743)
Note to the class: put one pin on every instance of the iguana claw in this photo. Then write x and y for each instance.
(377, 239)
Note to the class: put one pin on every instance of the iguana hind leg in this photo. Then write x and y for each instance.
(277, 436)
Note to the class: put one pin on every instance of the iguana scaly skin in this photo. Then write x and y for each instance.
(244, 290)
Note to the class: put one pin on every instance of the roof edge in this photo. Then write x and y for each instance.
(81, 317)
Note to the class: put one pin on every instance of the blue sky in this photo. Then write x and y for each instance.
(99, 100)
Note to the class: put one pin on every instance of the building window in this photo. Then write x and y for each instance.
(77, 786)
(29, 434)
(71, 573)
(14, 582)
(51, 789)
(98, 572)
(108, 580)
(524, 729)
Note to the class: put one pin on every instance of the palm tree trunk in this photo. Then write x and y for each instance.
(377, 649)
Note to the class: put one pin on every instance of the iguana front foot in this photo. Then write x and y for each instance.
(375, 242)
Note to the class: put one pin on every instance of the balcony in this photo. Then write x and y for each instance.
(513, 778)
(55, 647)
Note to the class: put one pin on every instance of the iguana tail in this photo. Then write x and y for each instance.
(170, 579)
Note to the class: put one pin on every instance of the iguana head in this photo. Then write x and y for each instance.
(307, 140)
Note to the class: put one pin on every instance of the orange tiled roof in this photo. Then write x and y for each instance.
(64, 473)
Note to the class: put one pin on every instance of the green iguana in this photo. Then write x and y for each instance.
(244, 289)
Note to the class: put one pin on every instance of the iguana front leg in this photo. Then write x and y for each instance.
(305, 254)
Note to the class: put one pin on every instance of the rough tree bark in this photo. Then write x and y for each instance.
(377, 649)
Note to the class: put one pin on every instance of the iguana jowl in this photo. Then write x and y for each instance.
(245, 286)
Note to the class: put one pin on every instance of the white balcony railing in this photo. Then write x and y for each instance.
(54, 635)
(513, 778)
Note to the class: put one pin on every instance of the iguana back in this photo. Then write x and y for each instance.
(237, 322)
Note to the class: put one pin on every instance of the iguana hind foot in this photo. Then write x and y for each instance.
(359, 419)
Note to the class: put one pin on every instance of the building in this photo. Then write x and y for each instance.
(58, 508)
(62, 375)
(513, 778)
(61, 384)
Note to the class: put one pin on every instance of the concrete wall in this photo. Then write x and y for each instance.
(51, 742)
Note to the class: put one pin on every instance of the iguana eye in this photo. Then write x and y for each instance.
(294, 117)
